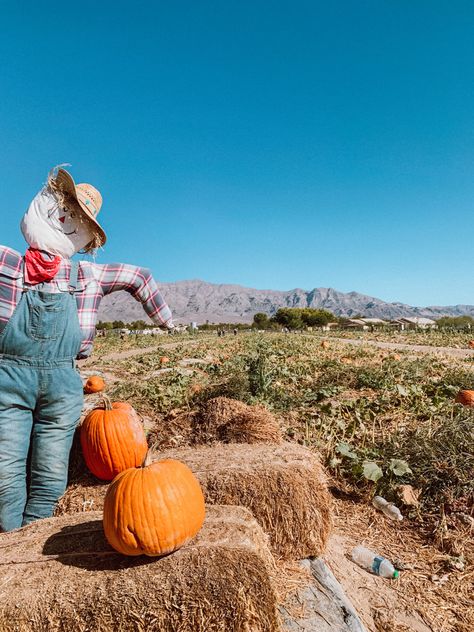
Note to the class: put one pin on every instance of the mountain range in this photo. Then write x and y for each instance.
(199, 301)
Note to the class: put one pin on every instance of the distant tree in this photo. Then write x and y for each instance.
(288, 317)
(456, 322)
(104, 325)
(298, 317)
(316, 317)
(118, 324)
(261, 320)
(138, 324)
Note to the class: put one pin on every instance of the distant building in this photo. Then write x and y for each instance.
(364, 324)
(356, 324)
(330, 326)
(415, 322)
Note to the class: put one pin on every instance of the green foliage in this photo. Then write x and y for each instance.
(399, 467)
(296, 317)
(456, 322)
(377, 420)
(288, 317)
(371, 471)
(261, 321)
(316, 317)
(118, 324)
(139, 324)
(104, 325)
(259, 372)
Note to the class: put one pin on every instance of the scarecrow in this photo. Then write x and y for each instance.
(48, 311)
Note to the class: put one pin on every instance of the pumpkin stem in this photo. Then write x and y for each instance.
(107, 402)
(148, 459)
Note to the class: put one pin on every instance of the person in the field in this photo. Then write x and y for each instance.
(48, 312)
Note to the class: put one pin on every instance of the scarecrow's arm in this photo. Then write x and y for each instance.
(138, 282)
(10, 260)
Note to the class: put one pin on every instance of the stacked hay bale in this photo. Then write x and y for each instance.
(220, 581)
(264, 498)
(283, 485)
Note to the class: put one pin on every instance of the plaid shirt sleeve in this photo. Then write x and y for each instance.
(10, 282)
(139, 282)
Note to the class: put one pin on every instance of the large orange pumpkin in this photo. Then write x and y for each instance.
(94, 384)
(466, 398)
(112, 439)
(153, 510)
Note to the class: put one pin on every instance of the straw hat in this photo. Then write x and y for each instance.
(87, 196)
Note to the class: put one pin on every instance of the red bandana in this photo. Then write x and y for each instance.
(40, 266)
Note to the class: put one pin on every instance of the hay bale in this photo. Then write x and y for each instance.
(173, 430)
(60, 574)
(233, 421)
(219, 419)
(284, 486)
(86, 494)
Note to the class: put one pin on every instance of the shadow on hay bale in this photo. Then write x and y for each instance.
(219, 419)
(220, 581)
(284, 486)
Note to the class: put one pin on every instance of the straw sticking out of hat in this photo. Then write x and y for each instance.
(87, 197)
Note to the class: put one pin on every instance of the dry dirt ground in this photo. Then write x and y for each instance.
(450, 351)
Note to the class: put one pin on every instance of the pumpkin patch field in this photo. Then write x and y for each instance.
(286, 441)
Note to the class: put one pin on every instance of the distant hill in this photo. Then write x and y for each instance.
(200, 301)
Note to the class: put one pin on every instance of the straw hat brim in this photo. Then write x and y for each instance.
(65, 182)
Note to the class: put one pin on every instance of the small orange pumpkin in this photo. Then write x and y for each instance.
(112, 439)
(195, 388)
(153, 510)
(325, 344)
(466, 398)
(94, 384)
(164, 360)
(471, 344)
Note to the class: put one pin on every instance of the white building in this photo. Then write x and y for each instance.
(416, 322)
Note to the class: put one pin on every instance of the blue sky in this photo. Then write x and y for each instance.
(270, 144)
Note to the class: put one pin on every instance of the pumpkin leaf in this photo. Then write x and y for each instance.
(371, 471)
(399, 467)
(401, 390)
(345, 450)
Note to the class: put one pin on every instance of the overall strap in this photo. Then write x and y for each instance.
(73, 276)
(23, 268)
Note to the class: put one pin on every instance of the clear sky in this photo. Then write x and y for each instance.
(267, 143)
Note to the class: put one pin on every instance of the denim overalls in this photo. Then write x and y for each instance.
(40, 402)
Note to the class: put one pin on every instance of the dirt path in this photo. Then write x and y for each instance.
(130, 353)
(455, 353)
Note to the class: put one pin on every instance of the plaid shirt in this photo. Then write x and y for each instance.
(94, 281)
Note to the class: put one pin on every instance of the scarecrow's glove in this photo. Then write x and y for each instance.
(164, 325)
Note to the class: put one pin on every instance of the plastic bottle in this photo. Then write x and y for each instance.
(375, 563)
(389, 509)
